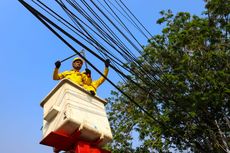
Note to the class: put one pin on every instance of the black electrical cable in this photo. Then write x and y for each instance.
(117, 42)
(101, 47)
(142, 79)
(64, 32)
(135, 17)
(44, 20)
(60, 21)
(105, 15)
(87, 38)
(134, 22)
(65, 25)
(139, 77)
(118, 19)
(113, 68)
(128, 18)
(95, 25)
(136, 60)
(140, 65)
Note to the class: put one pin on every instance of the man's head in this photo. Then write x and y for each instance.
(77, 63)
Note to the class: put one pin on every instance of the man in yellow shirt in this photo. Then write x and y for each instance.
(74, 75)
(83, 79)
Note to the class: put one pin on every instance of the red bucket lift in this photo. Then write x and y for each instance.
(72, 144)
(74, 121)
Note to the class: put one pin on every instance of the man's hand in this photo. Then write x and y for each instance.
(87, 72)
(57, 64)
(107, 62)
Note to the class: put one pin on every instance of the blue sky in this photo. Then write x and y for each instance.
(28, 52)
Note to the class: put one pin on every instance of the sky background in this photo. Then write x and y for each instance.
(28, 52)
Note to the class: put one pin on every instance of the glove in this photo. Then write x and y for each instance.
(87, 72)
(58, 64)
(107, 62)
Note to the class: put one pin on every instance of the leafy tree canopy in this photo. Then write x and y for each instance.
(189, 97)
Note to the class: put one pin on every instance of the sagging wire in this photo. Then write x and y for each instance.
(126, 51)
(136, 84)
(48, 23)
(75, 32)
(130, 12)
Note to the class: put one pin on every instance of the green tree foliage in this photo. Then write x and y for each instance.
(190, 99)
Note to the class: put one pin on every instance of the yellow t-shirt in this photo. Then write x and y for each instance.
(73, 75)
